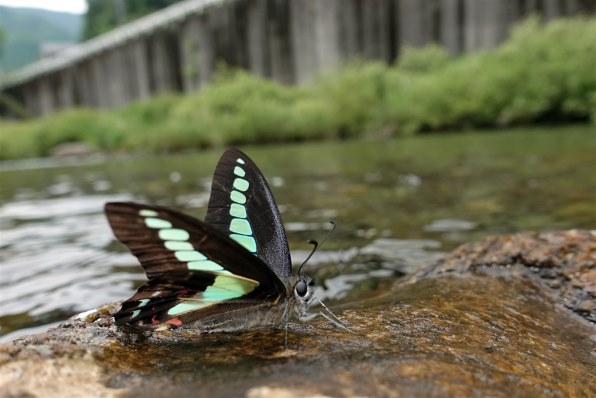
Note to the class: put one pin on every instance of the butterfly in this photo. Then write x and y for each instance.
(231, 272)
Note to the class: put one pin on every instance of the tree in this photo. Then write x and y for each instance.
(105, 15)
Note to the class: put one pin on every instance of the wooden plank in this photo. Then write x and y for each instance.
(189, 65)
(414, 29)
(487, 23)
(326, 28)
(451, 33)
(257, 37)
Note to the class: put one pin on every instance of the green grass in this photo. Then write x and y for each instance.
(542, 74)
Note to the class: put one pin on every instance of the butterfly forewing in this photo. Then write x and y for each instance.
(243, 208)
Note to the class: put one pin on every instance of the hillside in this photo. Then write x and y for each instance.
(26, 28)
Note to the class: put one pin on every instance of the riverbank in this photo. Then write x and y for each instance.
(542, 74)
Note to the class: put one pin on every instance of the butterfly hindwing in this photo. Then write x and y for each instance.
(178, 298)
(191, 266)
(242, 207)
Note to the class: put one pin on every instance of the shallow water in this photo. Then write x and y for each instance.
(397, 203)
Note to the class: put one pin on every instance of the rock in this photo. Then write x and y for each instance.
(73, 149)
(483, 321)
(563, 262)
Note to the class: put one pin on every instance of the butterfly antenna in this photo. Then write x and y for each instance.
(317, 245)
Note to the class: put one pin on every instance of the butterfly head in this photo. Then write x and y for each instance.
(304, 295)
(303, 290)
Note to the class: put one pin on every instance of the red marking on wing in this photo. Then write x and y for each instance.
(174, 322)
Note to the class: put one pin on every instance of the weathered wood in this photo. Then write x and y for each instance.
(451, 32)
(376, 31)
(256, 35)
(551, 9)
(31, 98)
(414, 23)
(46, 102)
(290, 41)
(573, 7)
(315, 38)
(326, 28)
(280, 44)
(140, 67)
(117, 79)
(189, 62)
(205, 51)
(160, 67)
(99, 81)
(66, 89)
(86, 89)
(486, 23)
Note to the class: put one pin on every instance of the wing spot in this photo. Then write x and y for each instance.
(225, 288)
(157, 223)
(189, 255)
(239, 171)
(143, 302)
(241, 184)
(237, 197)
(237, 211)
(240, 226)
(173, 234)
(247, 242)
(186, 307)
(204, 265)
(176, 245)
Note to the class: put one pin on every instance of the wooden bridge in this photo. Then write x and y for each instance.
(291, 41)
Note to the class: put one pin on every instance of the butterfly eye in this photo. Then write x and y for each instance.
(301, 288)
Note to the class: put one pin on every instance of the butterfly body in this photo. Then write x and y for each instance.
(231, 272)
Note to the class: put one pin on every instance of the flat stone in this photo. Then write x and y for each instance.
(479, 322)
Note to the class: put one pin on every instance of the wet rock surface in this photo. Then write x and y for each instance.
(482, 321)
(562, 261)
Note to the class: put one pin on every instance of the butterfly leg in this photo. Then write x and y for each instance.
(286, 322)
(303, 315)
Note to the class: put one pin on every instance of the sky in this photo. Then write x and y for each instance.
(74, 6)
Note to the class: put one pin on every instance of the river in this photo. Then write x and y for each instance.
(398, 204)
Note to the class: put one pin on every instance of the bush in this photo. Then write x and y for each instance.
(543, 73)
(38, 137)
(17, 140)
(354, 97)
(422, 60)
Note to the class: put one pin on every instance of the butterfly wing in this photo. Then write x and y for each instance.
(191, 268)
(242, 207)
(180, 298)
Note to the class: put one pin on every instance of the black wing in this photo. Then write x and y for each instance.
(242, 207)
(191, 267)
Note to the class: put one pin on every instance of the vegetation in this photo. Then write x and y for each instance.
(103, 16)
(20, 43)
(543, 74)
